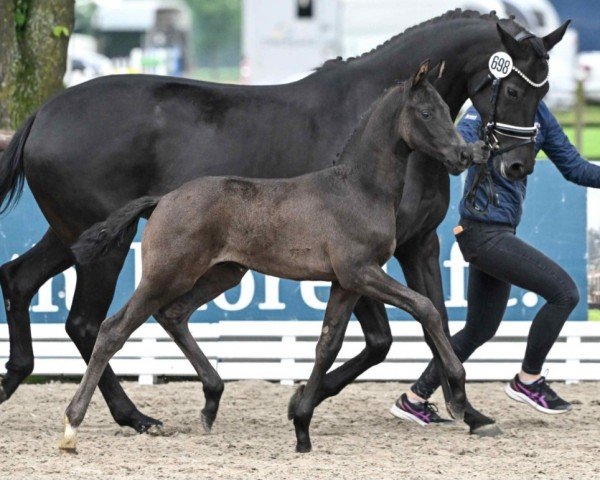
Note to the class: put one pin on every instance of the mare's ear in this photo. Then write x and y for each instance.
(556, 36)
(420, 75)
(436, 72)
(513, 47)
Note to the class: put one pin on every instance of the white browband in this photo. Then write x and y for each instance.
(529, 81)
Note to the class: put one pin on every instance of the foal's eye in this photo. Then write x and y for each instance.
(512, 93)
(426, 114)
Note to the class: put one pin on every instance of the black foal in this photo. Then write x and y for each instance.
(337, 225)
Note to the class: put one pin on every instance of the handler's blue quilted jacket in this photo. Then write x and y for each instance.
(511, 195)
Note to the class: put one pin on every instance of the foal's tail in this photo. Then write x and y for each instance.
(12, 172)
(101, 237)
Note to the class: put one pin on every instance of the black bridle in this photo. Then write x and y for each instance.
(490, 132)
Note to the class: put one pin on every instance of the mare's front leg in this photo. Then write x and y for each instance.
(337, 314)
(174, 319)
(420, 263)
(372, 281)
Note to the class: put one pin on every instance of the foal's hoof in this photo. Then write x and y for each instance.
(293, 405)
(68, 442)
(480, 424)
(139, 422)
(207, 422)
(486, 431)
(456, 410)
(303, 447)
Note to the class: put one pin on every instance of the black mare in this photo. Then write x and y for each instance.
(95, 147)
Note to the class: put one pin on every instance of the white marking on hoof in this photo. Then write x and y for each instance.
(69, 439)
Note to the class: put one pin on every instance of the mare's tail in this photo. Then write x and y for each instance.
(12, 172)
(100, 238)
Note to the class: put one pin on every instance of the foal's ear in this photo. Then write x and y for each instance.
(420, 75)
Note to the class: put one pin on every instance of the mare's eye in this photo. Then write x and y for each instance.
(426, 114)
(512, 93)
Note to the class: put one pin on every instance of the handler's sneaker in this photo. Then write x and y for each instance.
(422, 413)
(539, 395)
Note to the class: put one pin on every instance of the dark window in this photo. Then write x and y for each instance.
(305, 8)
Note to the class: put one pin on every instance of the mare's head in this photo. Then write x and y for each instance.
(507, 93)
(425, 124)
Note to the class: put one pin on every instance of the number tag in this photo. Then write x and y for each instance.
(500, 64)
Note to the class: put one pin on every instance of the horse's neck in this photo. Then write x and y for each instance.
(376, 156)
(362, 80)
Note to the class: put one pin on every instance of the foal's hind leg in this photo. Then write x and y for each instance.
(21, 278)
(111, 338)
(94, 292)
(339, 308)
(174, 319)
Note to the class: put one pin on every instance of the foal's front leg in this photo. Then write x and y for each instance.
(339, 308)
(372, 281)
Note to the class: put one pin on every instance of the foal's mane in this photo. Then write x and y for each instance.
(365, 117)
(449, 15)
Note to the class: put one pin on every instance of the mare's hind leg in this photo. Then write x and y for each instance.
(21, 278)
(93, 295)
(339, 308)
(174, 319)
(374, 322)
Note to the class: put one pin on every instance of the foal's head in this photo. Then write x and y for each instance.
(424, 123)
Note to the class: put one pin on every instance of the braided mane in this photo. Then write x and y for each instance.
(449, 15)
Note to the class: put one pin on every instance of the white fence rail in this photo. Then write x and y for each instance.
(284, 350)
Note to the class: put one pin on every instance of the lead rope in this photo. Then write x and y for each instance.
(483, 176)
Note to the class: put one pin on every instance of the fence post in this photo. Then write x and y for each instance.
(573, 361)
(148, 348)
(287, 342)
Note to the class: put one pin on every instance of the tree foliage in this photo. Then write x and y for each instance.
(34, 36)
(217, 31)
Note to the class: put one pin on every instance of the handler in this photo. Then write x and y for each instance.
(497, 258)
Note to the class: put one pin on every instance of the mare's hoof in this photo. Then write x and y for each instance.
(489, 430)
(303, 447)
(293, 404)
(140, 423)
(207, 422)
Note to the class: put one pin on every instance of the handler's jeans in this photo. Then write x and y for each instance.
(497, 260)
